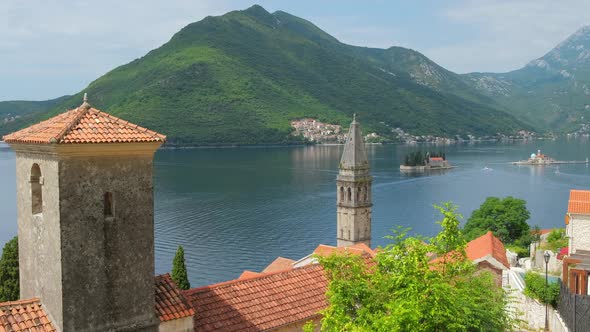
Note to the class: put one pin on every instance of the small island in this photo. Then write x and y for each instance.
(419, 162)
(539, 159)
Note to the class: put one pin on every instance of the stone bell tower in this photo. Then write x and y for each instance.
(86, 220)
(354, 191)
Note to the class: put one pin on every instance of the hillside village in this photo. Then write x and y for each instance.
(97, 266)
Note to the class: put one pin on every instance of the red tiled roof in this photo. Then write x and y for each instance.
(436, 158)
(359, 248)
(485, 245)
(260, 303)
(170, 303)
(481, 247)
(249, 274)
(279, 264)
(25, 316)
(579, 202)
(84, 125)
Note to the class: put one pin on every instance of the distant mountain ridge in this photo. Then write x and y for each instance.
(243, 76)
(551, 92)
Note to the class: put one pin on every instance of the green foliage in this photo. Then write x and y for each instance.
(520, 250)
(416, 158)
(179, 274)
(506, 218)
(404, 291)
(557, 239)
(242, 77)
(538, 289)
(9, 282)
(309, 326)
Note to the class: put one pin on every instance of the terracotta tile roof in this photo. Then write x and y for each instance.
(260, 303)
(485, 245)
(360, 248)
(249, 274)
(436, 158)
(84, 125)
(279, 264)
(579, 202)
(170, 303)
(25, 316)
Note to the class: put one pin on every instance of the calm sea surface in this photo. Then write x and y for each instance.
(239, 208)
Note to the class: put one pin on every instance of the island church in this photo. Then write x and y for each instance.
(86, 239)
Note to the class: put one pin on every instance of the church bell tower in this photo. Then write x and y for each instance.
(354, 191)
(86, 220)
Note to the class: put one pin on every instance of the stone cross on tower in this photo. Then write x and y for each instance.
(354, 191)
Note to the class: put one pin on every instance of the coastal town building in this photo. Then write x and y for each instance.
(317, 131)
(576, 265)
(353, 186)
(488, 253)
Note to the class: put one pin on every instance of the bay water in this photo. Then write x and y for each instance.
(236, 209)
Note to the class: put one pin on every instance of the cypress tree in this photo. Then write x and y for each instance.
(179, 274)
(9, 288)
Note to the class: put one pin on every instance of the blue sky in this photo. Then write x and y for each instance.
(49, 48)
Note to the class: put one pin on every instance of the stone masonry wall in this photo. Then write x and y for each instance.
(39, 236)
(108, 262)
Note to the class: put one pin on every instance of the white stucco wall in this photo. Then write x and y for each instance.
(177, 325)
(578, 232)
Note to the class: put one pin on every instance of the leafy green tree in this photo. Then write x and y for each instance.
(506, 218)
(179, 274)
(403, 289)
(557, 239)
(9, 287)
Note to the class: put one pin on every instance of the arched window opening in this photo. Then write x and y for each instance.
(365, 194)
(349, 234)
(349, 194)
(108, 204)
(341, 194)
(36, 190)
(341, 233)
(358, 194)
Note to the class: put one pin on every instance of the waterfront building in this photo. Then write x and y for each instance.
(576, 265)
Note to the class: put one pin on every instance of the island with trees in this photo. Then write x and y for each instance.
(420, 162)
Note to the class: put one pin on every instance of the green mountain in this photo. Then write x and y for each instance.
(551, 92)
(242, 77)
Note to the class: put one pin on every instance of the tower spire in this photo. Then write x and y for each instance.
(354, 155)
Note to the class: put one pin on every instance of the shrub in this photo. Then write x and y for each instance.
(537, 289)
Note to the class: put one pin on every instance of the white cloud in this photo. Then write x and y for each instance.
(77, 41)
(511, 33)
